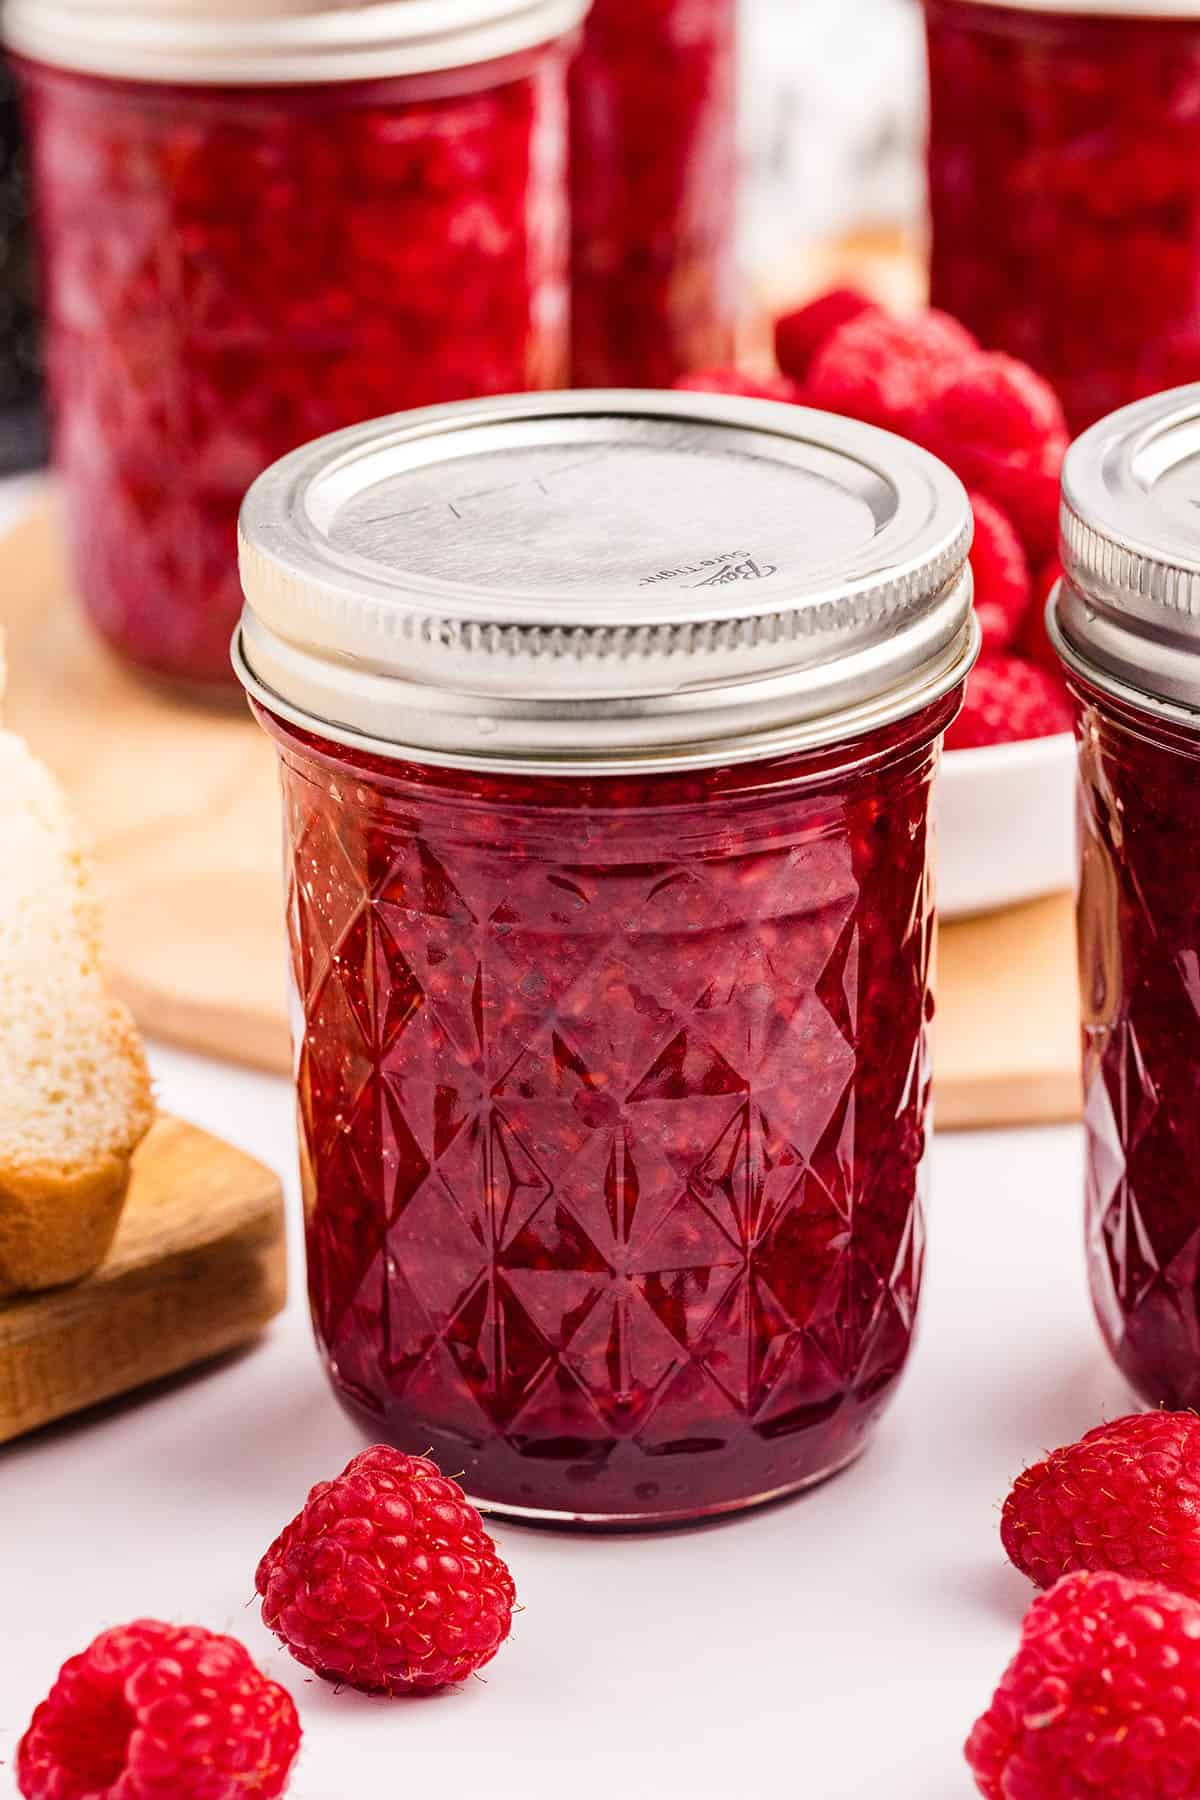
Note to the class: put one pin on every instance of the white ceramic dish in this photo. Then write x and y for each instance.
(1006, 824)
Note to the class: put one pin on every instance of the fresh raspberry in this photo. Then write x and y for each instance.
(1007, 700)
(737, 381)
(159, 1712)
(1034, 641)
(884, 370)
(1125, 1497)
(800, 334)
(386, 1579)
(1003, 588)
(1001, 429)
(1101, 1701)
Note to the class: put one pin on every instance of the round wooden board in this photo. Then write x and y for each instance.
(179, 804)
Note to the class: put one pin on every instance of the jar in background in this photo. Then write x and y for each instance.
(263, 223)
(22, 424)
(1064, 170)
(654, 183)
(607, 727)
(1126, 621)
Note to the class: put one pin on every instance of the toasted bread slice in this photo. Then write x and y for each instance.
(75, 1096)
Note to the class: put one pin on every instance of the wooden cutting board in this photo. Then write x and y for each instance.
(198, 1267)
(180, 805)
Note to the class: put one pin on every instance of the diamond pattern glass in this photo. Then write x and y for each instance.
(1140, 986)
(612, 1098)
(232, 272)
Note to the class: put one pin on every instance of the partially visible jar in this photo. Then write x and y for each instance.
(1064, 172)
(1126, 621)
(654, 186)
(607, 736)
(261, 223)
(22, 420)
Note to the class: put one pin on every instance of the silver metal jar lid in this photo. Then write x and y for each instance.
(596, 582)
(1128, 615)
(274, 42)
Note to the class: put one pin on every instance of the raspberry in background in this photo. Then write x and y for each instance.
(1001, 429)
(736, 381)
(386, 1579)
(159, 1712)
(1125, 1497)
(1101, 1701)
(885, 371)
(1034, 641)
(801, 333)
(1009, 699)
(1003, 587)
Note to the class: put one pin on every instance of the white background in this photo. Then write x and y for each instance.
(835, 1648)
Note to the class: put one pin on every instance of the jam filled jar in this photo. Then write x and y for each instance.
(1126, 621)
(653, 152)
(263, 220)
(1064, 168)
(606, 726)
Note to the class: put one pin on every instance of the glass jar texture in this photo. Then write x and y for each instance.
(231, 271)
(610, 901)
(613, 1103)
(1064, 172)
(1139, 913)
(653, 116)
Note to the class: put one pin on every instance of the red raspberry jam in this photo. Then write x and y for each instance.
(230, 272)
(1140, 986)
(1126, 622)
(612, 1099)
(609, 896)
(1064, 167)
(653, 113)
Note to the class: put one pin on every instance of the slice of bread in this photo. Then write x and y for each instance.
(75, 1096)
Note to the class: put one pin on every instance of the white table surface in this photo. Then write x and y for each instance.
(836, 1648)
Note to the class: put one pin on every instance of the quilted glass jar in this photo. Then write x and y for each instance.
(654, 128)
(606, 730)
(1064, 169)
(1125, 620)
(264, 223)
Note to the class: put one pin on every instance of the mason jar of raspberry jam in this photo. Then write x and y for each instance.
(1126, 622)
(654, 150)
(263, 220)
(606, 725)
(1064, 171)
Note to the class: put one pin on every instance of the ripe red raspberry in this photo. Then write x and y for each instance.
(386, 1579)
(1008, 700)
(800, 334)
(737, 381)
(1001, 429)
(159, 1712)
(1125, 1497)
(885, 370)
(1034, 641)
(1003, 587)
(1101, 1701)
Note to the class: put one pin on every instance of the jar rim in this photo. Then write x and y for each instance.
(548, 582)
(1089, 9)
(280, 42)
